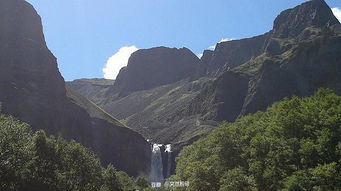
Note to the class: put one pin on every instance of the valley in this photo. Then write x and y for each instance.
(238, 78)
(259, 113)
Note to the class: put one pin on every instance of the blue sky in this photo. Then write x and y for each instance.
(84, 34)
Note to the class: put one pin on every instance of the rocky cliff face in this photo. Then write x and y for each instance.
(288, 24)
(314, 13)
(154, 67)
(300, 55)
(230, 54)
(32, 89)
(29, 77)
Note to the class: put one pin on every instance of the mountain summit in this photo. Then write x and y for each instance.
(314, 13)
(24, 21)
(149, 68)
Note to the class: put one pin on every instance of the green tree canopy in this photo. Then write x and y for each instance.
(294, 145)
(37, 162)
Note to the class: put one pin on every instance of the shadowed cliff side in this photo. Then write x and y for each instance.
(32, 90)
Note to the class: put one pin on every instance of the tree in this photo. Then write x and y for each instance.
(15, 152)
(294, 145)
(142, 183)
(37, 162)
(127, 183)
(110, 180)
(236, 179)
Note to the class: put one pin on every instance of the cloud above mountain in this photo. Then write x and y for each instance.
(117, 61)
(199, 55)
(222, 40)
(337, 13)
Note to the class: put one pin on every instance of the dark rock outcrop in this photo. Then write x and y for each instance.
(203, 65)
(206, 56)
(32, 90)
(149, 68)
(112, 141)
(222, 100)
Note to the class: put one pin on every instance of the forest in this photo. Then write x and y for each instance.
(294, 145)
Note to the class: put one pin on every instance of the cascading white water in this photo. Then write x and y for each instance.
(156, 174)
(169, 163)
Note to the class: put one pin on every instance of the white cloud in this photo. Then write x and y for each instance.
(211, 47)
(200, 55)
(222, 40)
(226, 39)
(117, 61)
(337, 13)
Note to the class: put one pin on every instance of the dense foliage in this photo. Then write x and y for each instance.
(34, 161)
(295, 145)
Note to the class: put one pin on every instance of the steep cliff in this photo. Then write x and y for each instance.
(301, 54)
(32, 90)
(230, 54)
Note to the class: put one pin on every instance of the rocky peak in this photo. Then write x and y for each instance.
(206, 56)
(25, 61)
(24, 21)
(314, 13)
(149, 68)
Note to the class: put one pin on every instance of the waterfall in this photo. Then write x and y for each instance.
(169, 160)
(161, 163)
(156, 174)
